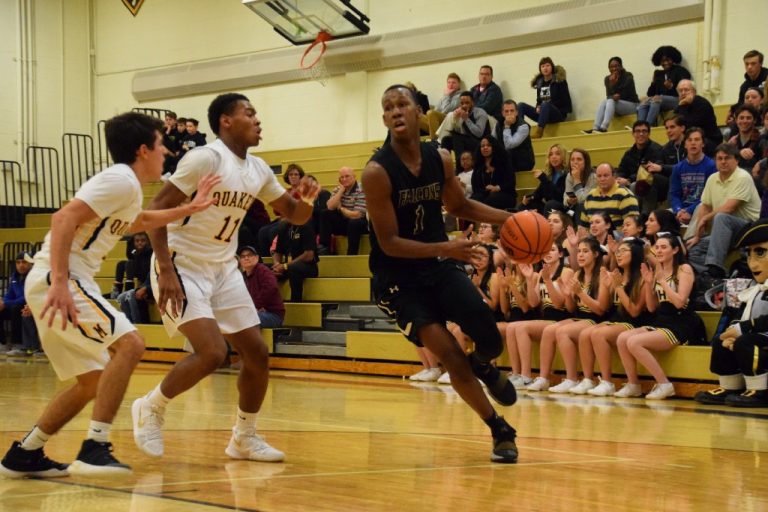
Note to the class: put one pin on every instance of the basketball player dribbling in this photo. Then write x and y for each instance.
(100, 348)
(195, 277)
(416, 278)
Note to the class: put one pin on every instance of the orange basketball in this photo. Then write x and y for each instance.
(526, 237)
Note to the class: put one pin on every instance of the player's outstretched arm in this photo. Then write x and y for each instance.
(381, 213)
(298, 212)
(64, 223)
(458, 205)
(150, 219)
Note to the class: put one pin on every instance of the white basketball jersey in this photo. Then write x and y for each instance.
(115, 196)
(211, 235)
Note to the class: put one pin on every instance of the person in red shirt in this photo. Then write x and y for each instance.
(262, 285)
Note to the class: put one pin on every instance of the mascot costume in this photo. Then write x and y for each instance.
(742, 384)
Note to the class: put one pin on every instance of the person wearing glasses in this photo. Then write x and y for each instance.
(645, 154)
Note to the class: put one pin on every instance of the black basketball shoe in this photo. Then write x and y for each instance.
(96, 459)
(19, 463)
(497, 382)
(504, 447)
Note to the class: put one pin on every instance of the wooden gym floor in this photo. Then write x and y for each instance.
(376, 443)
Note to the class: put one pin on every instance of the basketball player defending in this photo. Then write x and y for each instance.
(106, 207)
(416, 280)
(195, 278)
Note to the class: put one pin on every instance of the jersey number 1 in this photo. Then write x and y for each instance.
(224, 228)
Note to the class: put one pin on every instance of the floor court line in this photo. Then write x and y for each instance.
(489, 465)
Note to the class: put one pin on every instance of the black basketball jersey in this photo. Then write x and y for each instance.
(418, 202)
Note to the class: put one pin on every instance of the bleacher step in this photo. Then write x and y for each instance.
(325, 338)
(366, 311)
(310, 349)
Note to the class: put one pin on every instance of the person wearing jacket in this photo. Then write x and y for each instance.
(553, 100)
(620, 96)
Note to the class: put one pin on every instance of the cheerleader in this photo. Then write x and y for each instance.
(629, 312)
(543, 296)
(667, 293)
(589, 299)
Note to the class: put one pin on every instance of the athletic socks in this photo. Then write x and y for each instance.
(246, 421)
(157, 398)
(99, 431)
(732, 382)
(35, 439)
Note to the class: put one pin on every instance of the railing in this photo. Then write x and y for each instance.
(105, 159)
(152, 112)
(11, 214)
(79, 162)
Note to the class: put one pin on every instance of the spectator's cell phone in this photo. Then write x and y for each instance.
(570, 194)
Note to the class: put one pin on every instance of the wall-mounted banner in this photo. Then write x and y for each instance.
(133, 5)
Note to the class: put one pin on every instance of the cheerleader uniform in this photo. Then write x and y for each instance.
(680, 326)
(515, 312)
(546, 306)
(620, 316)
(583, 312)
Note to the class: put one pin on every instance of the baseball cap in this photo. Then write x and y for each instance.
(247, 248)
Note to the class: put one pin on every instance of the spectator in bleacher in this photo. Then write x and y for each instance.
(742, 383)
(635, 162)
(553, 100)
(320, 204)
(486, 94)
(667, 291)
(689, 177)
(193, 139)
(466, 171)
(698, 111)
(267, 234)
(608, 196)
(620, 96)
(662, 93)
(493, 180)
(345, 214)
(300, 245)
(661, 221)
(462, 129)
(430, 119)
(747, 139)
(262, 286)
(255, 218)
(549, 193)
(515, 133)
(755, 97)
(181, 127)
(755, 74)
(172, 143)
(674, 150)
(729, 201)
(134, 301)
(421, 99)
(579, 181)
(13, 308)
(559, 222)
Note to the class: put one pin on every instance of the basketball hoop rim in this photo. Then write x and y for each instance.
(321, 38)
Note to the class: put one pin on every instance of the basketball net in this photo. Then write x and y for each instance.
(313, 62)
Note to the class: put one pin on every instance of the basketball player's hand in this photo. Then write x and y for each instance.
(170, 291)
(309, 189)
(59, 300)
(462, 249)
(204, 187)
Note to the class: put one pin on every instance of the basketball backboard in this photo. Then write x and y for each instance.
(300, 21)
